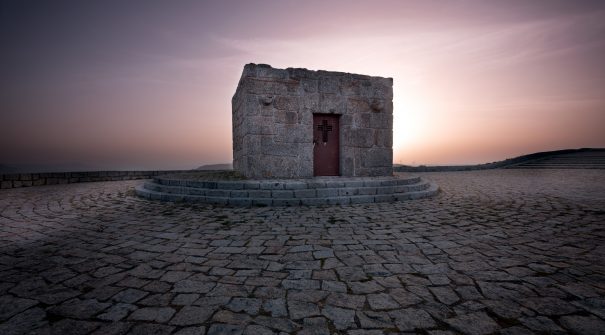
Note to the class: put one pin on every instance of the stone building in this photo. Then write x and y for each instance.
(298, 123)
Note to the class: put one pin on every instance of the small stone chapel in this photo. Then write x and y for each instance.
(298, 123)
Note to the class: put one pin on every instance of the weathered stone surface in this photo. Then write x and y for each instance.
(315, 326)
(229, 317)
(346, 300)
(444, 294)
(549, 306)
(69, 327)
(248, 305)
(583, 325)
(301, 309)
(257, 329)
(542, 324)
(185, 299)
(129, 296)
(410, 319)
(24, 322)
(192, 315)
(10, 305)
(113, 328)
(341, 318)
(79, 309)
(369, 320)
(157, 314)
(477, 240)
(474, 323)
(276, 307)
(192, 331)
(225, 329)
(272, 121)
(281, 324)
(381, 301)
(117, 312)
(150, 328)
(193, 286)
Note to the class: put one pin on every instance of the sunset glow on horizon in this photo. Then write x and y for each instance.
(148, 85)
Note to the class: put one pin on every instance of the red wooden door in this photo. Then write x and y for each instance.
(326, 145)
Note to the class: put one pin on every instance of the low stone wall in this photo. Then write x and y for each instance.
(15, 180)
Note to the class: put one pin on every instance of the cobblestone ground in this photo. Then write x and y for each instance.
(508, 251)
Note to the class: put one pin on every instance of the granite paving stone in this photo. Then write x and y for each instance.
(10, 305)
(381, 301)
(130, 295)
(340, 317)
(185, 299)
(157, 299)
(444, 294)
(248, 305)
(583, 325)
(192, 315)
(69, 326)
(497, 251)
(541, 324)
(276, 307)
(78, 308)
(24, 322)
(155, 314)
(192, 331)
(315, 326)
(113, 328)
(229, 317)
(549, 306)
(281, 324)
(151, 329)
(346, 300)
(371, 320)
(225, 329)
(117, 312)
(301, 309)
(412, 319)
(257, 329)
(474, 323)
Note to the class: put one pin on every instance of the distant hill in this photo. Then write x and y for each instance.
(7, 169)
(225, 166)
(585, 158)
(42, 168)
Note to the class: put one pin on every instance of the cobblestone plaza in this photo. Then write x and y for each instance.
(497, 251)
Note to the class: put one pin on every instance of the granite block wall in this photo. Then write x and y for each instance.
(272, 113)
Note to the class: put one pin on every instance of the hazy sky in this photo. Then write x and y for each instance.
(148, 84)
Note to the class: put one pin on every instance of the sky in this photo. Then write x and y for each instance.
(148, 84)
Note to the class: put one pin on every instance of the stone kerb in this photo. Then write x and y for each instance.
(282, 184)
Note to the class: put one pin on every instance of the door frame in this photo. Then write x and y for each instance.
(338, 144)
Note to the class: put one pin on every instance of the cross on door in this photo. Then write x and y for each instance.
(325, 128)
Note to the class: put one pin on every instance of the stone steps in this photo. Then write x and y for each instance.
(578, 160)
(316, 191)
(559, 166)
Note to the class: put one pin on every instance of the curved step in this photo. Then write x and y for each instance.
(313, 192)
(321, 182)
(282, 193)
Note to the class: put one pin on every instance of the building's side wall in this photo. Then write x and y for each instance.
(273, 121)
